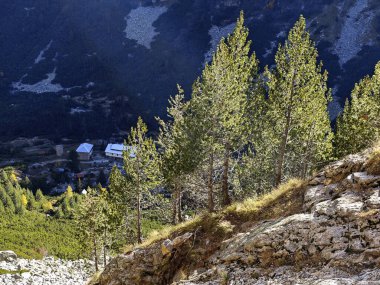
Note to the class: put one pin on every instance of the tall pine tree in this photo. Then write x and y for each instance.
(178, 159)
(220, 99)
(296, 131)
(142, 168)
(359, 125)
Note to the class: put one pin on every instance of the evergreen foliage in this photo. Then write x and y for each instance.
(177, 159)
(291, 128)
(142, 167)
(219, 102)
(359, 125)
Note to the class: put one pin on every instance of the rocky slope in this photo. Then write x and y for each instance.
(48, 271)
(324, 231)
(119, 59)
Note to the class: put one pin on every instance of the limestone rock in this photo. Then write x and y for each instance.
(8, 256)
(166, 247)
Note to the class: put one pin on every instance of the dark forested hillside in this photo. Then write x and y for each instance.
(86, 68)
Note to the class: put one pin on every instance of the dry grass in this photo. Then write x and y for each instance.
(278, 201)
(368, 214)
(94, 279)
(373, 163)
(166, 233)
(287, 199)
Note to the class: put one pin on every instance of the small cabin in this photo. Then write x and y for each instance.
(84, 151)
(116, 150)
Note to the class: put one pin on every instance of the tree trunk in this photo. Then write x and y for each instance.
(126, 225)
(306, 160)
(96, 254)
(139, 237)
(284, 140)
(179, 204)
(104, 249)
(175, 217)
(226, 200)
(281, 155)
(210, 184)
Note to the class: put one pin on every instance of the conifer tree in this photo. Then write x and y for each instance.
(178, 158)
(298, 129)
(359, 125)
(69, 192)
(31, 200)
(24, 200)
(119, 202)
(91, 220)
(39, 195)
(220, 99)
(9, 205)
(59, 214)
(141, 165)
(66, 206)
(3, 195)
(2, 208)
(4, 177)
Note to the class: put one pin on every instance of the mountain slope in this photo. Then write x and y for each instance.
(323, 230)
(65, 65)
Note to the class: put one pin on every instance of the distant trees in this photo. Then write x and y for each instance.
(359, 125)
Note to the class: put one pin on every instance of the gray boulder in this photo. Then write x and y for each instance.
(8, 256)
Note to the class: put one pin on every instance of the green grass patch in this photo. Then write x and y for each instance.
(34, 235)
(3, 271)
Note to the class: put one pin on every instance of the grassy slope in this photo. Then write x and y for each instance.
(33, 235)
(286, 200)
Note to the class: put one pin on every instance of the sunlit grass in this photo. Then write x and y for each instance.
(283, 200)
(373, 162)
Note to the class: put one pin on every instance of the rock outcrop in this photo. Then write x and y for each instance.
(333, 239)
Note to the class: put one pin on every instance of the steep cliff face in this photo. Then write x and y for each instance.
(324, 231)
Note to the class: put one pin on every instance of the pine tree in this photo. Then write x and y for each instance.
(59, 214)
(298, 131)
(24, 200)
(4, 177)
(219, 101)
(13, 178)
(119, 201)
(359, 125)
(9, 205)
(26, 183)
(69, 192)
(89, 221)
(39, 195)
(178, 158)
(79, 186)
(141, 165)
(2, 208)
(66, 206)
(31, 200)
(3, 195)
(93, 219)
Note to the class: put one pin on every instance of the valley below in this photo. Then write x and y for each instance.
(68, 65)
